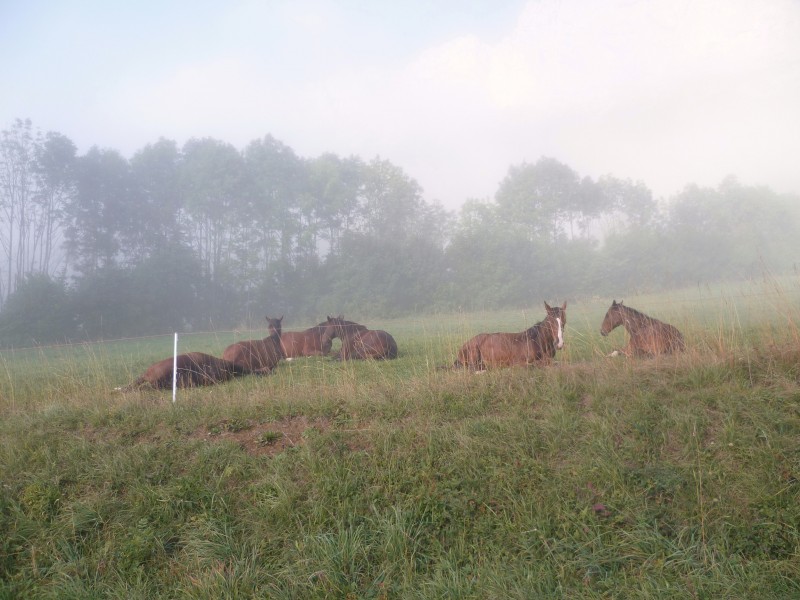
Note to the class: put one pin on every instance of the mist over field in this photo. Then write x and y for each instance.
(435, 171)
(205, 235)
(313, 158)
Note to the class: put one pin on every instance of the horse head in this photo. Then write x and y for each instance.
(274, 325)
(331, 328)
(612, 319)
(557, 317)
(335, 327)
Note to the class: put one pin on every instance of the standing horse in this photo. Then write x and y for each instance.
(258, 356)
(358, 342)
(305, 343)
(536, 345)
(194, 369)
(648, 336)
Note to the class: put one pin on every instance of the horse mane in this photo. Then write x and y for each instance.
(533, 332)
(637, 314)
(341, 323)
(346, 328)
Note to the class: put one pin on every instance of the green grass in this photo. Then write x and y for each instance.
(594, 478)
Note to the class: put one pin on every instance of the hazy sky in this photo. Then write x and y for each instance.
(453, 91)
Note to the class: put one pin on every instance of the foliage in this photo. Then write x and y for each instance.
(207, 233)
(38, 311)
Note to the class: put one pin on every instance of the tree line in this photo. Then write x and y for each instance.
(96, 245)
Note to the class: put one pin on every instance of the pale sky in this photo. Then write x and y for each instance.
(667, 92)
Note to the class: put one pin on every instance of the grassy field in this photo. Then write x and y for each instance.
(594, 478)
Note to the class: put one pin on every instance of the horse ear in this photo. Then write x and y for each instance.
(564, 306)
(546, 305)
(613, 302)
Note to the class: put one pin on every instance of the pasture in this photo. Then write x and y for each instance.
(597, 477)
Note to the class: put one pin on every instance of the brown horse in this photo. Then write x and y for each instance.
(536, 345)
(194, 369)
(358, 342)
(648, 336)
(258, 356)
(305, 343)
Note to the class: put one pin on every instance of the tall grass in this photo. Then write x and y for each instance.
(672, 478)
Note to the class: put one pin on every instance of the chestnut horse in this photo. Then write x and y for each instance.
(648, 336)
(194, 369)
(305, 343)
(258, 356)
(536, 345)
(358, 342)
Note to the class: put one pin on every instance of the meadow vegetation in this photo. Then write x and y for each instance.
(598, 477)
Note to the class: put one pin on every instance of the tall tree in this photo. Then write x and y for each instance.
(156, 199)
(334, 188)
(391, 201)
(55, 189)
(277, 181)
(545, 197)
(627, 204)
(212, 179)
(17, 157)
(100, 214)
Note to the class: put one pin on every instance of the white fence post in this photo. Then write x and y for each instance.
(175, 369)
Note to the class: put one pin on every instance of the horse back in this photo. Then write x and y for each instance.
(509, 349)
(257, 356)
(193, 369)
(304, 343)
(657, 338)
(469, 355)
(371, 343)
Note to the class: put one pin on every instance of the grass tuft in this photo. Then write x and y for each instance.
(597, 477)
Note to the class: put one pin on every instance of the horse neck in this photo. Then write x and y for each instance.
(545, 326)
(350, 329)
(633, 319)
(346, 332)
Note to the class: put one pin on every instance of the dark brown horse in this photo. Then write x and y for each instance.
(306, 343)
(194, 369)
(258, 356)
(358, 342)
(536, 345)
(648, 336)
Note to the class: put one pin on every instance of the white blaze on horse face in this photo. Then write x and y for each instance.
(560, 334)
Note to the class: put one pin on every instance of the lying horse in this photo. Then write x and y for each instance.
(536, 345)
(358, 342)
(305, 343)
(194, 369)
(258, 356)
(648, 336)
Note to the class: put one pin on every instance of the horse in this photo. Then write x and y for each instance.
(258, 356)
(535, 345)
(648, 336)
(359, 342)
(305, 343)
(194, 369)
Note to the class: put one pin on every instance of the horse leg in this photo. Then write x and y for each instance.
(626, 352)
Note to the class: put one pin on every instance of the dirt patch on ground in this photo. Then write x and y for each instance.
(261, 439)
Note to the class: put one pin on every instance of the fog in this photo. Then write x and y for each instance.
(197, 166)
(665, 92)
